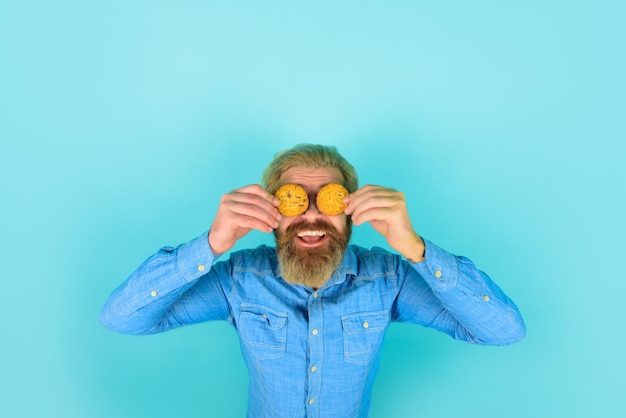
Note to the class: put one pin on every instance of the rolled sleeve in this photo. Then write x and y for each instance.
(459, 299)
(439, 268)
(141, 304)
(194, 259)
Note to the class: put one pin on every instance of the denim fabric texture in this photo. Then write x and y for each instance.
(312, 353)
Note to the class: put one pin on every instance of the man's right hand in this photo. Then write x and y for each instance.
(241, 211)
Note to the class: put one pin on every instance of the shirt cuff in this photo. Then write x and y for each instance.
(194, 258)
(440, 268)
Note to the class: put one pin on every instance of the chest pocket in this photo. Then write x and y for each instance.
(362, 335)
(263, 331)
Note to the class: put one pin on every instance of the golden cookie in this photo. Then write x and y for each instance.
(330, 199)
(294, 200)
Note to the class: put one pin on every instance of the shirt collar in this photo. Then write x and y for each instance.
(348, 267)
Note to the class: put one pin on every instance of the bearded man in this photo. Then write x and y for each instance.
(311, 313)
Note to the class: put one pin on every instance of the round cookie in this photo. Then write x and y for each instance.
(330, 199)
(294, 200)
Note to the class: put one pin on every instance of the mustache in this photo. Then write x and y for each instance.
(311, 226)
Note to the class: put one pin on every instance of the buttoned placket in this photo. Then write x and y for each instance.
(315, 353)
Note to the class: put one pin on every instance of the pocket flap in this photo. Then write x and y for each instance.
(365, 322)
(272, 318)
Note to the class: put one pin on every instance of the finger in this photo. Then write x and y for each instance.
(373, 214)
(249, 201)
(257, 190)
(387, 209)
(245, 207)
(363, 190)
(367, 199)
(247, 223)
(368, 191)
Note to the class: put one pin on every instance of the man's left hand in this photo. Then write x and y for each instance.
(385, 209)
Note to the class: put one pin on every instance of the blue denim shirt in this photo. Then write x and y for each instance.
(312, 353)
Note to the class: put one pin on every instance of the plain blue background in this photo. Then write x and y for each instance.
(123, 122)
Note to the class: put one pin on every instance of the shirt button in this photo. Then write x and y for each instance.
(438, 273)
(201, 267)
(314, 294)
(311, 401)
(486, 298)
(313, 369)
(314, 332)
(366, 324)
(154, 293)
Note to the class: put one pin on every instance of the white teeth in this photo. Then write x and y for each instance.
(311, 233)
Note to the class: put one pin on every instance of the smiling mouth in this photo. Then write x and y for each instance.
(311, 238)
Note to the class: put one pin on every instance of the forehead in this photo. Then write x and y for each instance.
(312, 178)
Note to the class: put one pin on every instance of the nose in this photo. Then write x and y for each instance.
(312, 211)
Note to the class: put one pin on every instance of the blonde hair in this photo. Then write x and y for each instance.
(310, 156)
